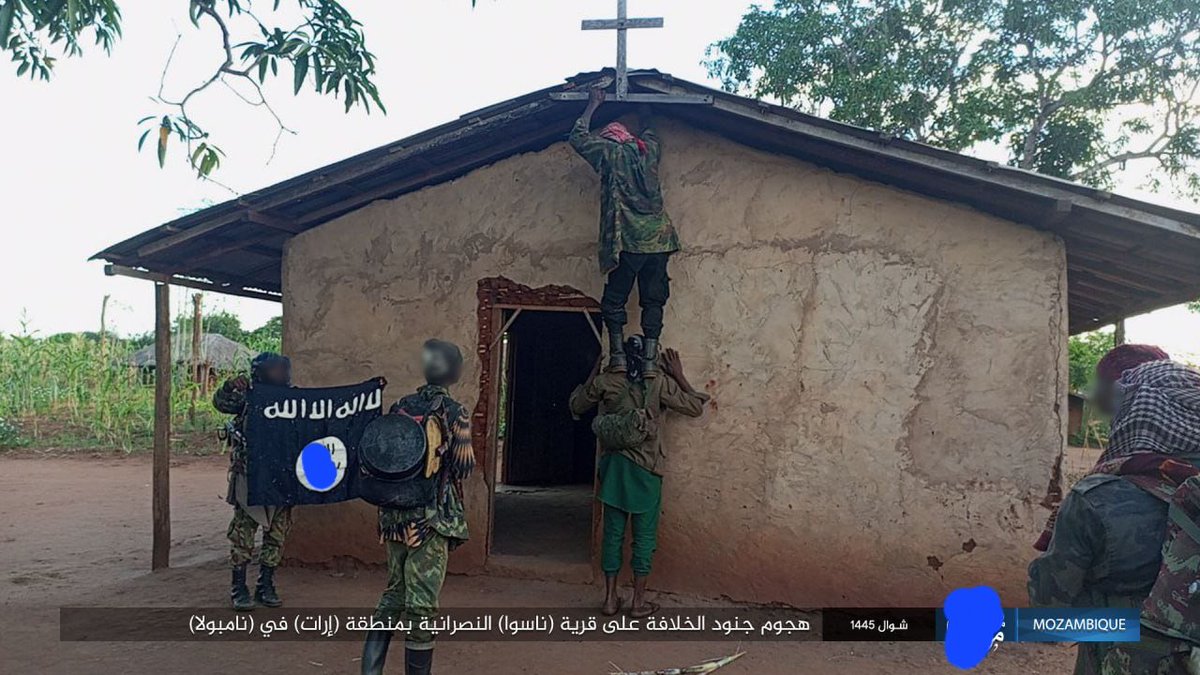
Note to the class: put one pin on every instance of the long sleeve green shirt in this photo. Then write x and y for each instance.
(614, 393)
(632, 216)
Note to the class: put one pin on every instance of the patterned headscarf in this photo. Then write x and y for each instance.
(619, 133)
(1159, 412)
(1157, 421)
(1124, 357)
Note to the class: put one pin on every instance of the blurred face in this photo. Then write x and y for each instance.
(1104, 396)
(276, 374)
(438, 369)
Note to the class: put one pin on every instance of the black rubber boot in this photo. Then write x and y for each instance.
(616, 350)
(375, 650)
(239, 594)
(264, 592)
(650, 358)
(418, 661)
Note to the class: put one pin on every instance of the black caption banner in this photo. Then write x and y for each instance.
(708, 624)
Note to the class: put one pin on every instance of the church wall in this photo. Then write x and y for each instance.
(887, 370)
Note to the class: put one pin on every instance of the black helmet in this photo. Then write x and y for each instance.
(267, 362)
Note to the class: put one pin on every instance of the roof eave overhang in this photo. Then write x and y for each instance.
(1124, 256)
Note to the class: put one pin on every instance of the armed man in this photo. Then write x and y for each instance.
(1126, 534)
(415, 459)
(636, 234)
(270, 369)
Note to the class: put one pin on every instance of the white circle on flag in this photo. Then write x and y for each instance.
(321, 465)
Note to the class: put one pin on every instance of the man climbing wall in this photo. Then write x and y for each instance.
(636, 234)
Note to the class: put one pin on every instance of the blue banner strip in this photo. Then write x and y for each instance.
(1065, 624)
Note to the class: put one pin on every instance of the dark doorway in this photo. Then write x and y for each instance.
(544, 497)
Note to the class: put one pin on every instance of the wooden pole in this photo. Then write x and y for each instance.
(196, 369)
(103, 320)
(161, 480)
(1119, 333)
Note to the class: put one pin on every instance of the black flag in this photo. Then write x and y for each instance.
(302, 444)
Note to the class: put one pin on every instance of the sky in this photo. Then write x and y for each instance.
(72, 181)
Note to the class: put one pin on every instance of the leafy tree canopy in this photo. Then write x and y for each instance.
(221, 322)
(1084, 352)
(1071, 88)
(267, 337)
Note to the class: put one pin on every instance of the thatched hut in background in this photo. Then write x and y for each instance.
(217, 354)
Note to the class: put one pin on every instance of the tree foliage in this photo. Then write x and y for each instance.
(1071, 88)
(267, 337)
(219, 322)
(1083, 353)
(324, 47)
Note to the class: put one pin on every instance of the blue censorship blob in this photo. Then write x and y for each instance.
(973, 617)
(318, 465)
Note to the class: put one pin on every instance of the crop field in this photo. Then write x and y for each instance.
(81, 391)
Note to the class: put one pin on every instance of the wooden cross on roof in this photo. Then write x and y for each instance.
(622, 24)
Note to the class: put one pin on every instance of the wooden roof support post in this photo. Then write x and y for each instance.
(161, 478)
(194, 370)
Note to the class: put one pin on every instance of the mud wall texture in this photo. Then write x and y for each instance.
(887, 370)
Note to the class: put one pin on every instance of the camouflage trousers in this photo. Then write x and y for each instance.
(241, 537)
(415, 577)
(1155, 654)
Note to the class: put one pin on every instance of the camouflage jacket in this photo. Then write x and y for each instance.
(1106, 552)
(446, 515)
(632, 216)
(232, 401)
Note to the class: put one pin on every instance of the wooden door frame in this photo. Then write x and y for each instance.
(496, 295)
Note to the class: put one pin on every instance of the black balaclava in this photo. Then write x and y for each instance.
(271, 368)
(441, 362)
(635, 354)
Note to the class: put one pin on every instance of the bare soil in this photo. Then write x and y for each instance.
(76, 531)
(1077, 463)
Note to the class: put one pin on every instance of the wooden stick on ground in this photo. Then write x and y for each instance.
(706, 667)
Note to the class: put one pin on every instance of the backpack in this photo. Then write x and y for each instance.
(400, 456)
(624, 430)
(1173, 607)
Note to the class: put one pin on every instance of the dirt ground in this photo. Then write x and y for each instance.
(1077, 462)
(76, 531)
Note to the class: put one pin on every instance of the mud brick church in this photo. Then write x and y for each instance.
(882, 326)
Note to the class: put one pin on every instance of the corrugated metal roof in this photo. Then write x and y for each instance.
(1124, 256)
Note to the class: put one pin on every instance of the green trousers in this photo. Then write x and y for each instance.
(415, 577)
(242, 528)
(644, 540)
(1153, 655)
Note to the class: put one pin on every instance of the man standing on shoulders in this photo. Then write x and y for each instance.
(270, 369)
(627, 427)
(1104, 545)
(636, 234)
(419, 539)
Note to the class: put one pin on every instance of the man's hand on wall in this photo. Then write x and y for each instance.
(672, 364)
